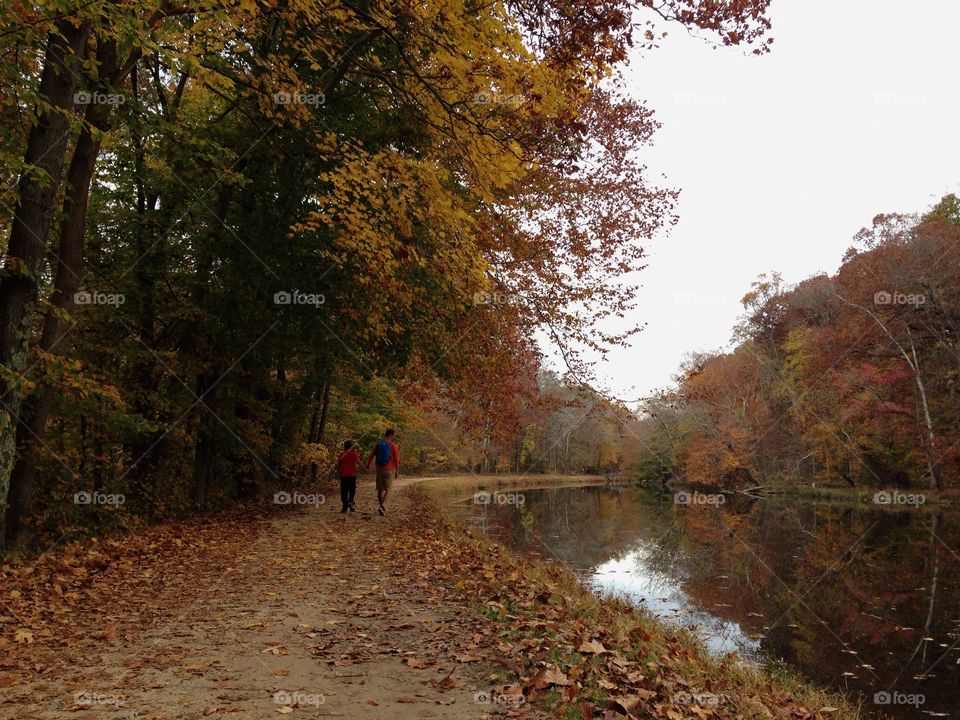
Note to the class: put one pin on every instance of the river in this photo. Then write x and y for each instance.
(864, 598)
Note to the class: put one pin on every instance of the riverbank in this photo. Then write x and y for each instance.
(459, 487)
(316, 614)
(612, 656)
(889, 497)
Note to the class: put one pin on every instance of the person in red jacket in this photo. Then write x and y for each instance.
(387, 455)
(347, 470)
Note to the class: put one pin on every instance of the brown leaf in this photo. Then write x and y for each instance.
(593, 647)
(406, 699)
(549, 676)
(627, 704)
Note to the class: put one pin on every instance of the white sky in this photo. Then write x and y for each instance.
(780, 159)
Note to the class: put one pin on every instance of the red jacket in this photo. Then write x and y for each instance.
(347, 463)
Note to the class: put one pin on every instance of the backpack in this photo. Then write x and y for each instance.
(384, 453)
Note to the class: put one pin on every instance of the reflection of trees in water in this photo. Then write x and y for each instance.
(847, 591)
(582, 527)
(832, 589)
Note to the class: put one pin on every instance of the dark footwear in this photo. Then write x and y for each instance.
(343, 511)
(382, 510)
(353, 507)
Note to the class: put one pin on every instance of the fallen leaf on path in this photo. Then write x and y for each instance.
(406, 699)
(549, 676)
(626, 704)
(593, 647)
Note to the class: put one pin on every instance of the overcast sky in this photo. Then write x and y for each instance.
(780, 159)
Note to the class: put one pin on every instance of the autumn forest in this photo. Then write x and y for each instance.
(237, 233)
(845, 379)
(257, 256)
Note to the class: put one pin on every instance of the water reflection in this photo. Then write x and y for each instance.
(866, 599)
(631, 576)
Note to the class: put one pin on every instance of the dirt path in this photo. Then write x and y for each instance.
(310, 614)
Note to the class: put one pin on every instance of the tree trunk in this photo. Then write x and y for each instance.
(204, 451)
(324, 409)
(930, 439)
(36, 408)
(314, 421)
(37, 193)
(148, 449)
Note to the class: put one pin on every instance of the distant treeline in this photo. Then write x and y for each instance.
(850, 378)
